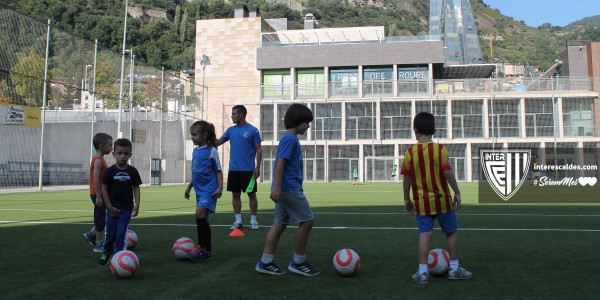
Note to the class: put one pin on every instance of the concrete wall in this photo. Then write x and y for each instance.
(70, 143)
(414, 52)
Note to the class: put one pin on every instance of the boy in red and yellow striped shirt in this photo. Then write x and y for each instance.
(426, 170)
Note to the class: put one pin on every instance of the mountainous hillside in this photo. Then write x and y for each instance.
(168, 40)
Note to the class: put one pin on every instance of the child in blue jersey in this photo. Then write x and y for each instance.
(120, 186)
(207, 180)
(287, 193)
(355, 175)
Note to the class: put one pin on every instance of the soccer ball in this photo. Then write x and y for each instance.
(124, 264)
(182, 247)
(438, 261)
(346, 262)
(132, 239)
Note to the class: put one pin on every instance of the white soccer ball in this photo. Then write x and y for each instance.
(132, 239)
(438, 261)
(124, 264)
(182, 247)
(346, 262)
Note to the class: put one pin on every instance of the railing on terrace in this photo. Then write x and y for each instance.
(327, 37)
(440, 86)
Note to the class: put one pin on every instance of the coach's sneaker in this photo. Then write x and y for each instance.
(270, 268)
(459, 273)
(90, 238)
(236, 225)
(197, 252)
(105, 257)
(304, 269)
(421, 278)
(254, 225)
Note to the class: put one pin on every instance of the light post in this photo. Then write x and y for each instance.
(205, 61)
(85, 87)
(119, 131)
(132, 61)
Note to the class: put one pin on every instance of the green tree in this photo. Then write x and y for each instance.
(5, 97)
(29, 78)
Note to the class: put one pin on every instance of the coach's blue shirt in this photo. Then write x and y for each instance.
(289, 148)
(243, 153)
(205, 164)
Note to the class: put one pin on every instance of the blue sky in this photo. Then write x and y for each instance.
(555, 12)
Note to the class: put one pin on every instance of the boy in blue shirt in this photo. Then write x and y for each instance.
(287, 193)
(120, 185)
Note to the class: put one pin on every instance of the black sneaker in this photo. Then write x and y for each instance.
(270, 268)
(304, 269)
(105, 258)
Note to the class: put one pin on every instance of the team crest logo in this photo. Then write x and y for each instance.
(505, 170)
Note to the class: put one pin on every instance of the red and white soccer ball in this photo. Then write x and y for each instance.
(346, 262)
(132, 239)
(182, 247)
(438, 261)
(124, 264)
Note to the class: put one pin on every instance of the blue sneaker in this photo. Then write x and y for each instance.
(270, 268)
(197, 252)
(304, 269)
(90, 239)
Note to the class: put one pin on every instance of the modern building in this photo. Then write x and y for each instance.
(453, 21)
(364, 89)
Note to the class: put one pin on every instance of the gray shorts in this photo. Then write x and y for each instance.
(292, 204)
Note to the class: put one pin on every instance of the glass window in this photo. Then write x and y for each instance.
(396, 120)
(266, 122)
(360, 121)
(276, 84)
(328, 121)
(440, 110)
(539, 117)
(412, 80)
(504, 118)
(378, 81)
(343, 82)
(578, 117)
(467, 119)
(310, 83)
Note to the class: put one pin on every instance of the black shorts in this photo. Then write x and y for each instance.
(99, 215)
(238, 181)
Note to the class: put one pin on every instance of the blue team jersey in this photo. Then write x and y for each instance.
(243, 153)
(289, 148)
(205, 164)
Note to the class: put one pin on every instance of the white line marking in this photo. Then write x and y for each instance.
(322, 227)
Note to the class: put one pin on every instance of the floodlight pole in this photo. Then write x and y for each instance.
(119, 130)
(131, 68)
(93, 99)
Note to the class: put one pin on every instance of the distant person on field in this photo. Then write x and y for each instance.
(207, 181)
(120, 186)
(394, 174)
(537, 169)
(431, 196)
(245, 150)
(355, 175)
(103, 144)
(287, 193)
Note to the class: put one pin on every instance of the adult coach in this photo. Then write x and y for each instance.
(245, 151)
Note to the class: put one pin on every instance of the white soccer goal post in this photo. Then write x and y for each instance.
(380, 168)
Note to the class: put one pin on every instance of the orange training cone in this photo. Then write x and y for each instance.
(236, 232)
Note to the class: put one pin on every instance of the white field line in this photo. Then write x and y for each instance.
(319, 227)
(314, 212)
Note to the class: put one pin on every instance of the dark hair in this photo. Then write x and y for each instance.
(297, 114)
(209, 128)
(123, 143)
(241, 109)
(100, 138)
(424, 123)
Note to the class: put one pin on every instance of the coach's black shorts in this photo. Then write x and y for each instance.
(238, 181)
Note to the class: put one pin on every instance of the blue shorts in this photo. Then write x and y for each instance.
(294, 205)
(210, 203)
(446, 220)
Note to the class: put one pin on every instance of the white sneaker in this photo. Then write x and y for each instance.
(254, 225)
(236, 225)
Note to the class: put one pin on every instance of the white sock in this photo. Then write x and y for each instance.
(423, 269)
(454, 264)
(299, 258)
(267, 258)
(238, 218)
(253, 219)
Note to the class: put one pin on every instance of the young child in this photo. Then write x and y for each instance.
(394, 174)
(103, 144)
(120, 185)
(290, 202)
(355, 175)
(207, 180)
(426, 170)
